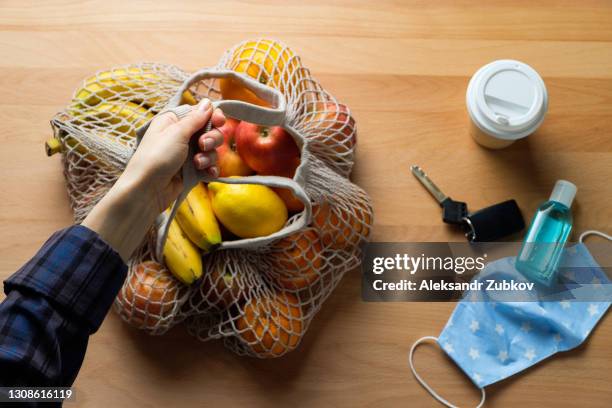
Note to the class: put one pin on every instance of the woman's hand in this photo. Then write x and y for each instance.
(163, 151)
(152, 181)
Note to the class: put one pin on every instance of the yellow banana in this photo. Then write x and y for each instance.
(112, 85)
(112, 114)
(181, 256)
(188, 98)
(132, 82)
(196, 218)
(129, 115)
(108, 84)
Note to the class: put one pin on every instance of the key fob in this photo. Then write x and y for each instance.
(494, 222)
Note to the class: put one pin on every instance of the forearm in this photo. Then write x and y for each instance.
(125, 214)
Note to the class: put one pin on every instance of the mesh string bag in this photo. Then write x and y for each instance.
(260, 294)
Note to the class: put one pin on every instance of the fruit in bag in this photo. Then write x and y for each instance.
(267, 150)
(221, 287)
(335, 125)
(248, 210)
(149, 295)
(293, 203)
(271, 324)
(297, 259)
(229, 161)
(181, 255)
(126, 117)
(133, 83)
(108, 84)
(262, 60)
(197, 220)
(340, 227)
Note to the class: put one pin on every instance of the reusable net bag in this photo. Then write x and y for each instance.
(258, 294)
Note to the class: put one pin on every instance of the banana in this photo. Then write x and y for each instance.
(132, 82)
(129, 115)
(196, 218)
(113, 86)
(188, 98)
(108, 84)
(181, 256)
(112, 114)
(53, 145)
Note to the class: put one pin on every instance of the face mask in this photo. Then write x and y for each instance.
(491, 341)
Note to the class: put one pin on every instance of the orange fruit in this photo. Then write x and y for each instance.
(297, 259)
(292, 203)
(262, 60)
(271, 324)
(149, 295)
(220, 287)
(340, 228)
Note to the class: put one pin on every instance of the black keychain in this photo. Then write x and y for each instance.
(494, 222)
(489, 224)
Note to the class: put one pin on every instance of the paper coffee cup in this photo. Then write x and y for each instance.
(506, 100)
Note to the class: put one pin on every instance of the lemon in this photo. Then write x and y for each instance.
(248, 210)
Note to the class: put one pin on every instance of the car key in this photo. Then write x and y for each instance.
(453, 212)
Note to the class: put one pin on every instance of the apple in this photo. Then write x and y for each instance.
(335, 125)
(267, 150)
(229, 161)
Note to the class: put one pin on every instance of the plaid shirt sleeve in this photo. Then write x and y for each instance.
(54, 302)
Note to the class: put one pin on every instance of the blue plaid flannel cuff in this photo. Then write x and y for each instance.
(75, 270)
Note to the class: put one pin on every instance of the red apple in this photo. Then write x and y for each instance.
(229, 161)
(267, 150)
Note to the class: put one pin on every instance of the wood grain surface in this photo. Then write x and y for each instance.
(403, 68)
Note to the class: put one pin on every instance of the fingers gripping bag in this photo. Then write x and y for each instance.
(260, 292)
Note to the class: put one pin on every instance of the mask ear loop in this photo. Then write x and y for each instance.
(425, 385)
(594, 232)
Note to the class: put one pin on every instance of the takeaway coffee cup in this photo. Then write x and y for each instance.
(506, 100)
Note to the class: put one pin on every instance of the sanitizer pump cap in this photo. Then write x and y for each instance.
(564, 192)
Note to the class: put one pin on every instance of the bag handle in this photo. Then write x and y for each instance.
(266, 116)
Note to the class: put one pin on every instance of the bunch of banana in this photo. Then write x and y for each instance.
(114, 87)
(126, 117)
(133, 83)
(196, 218)
(129, 115)
(195, 226)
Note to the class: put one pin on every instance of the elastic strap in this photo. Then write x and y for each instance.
(594, 232)
(425, 385)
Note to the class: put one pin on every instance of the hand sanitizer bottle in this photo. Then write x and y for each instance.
(539, 256)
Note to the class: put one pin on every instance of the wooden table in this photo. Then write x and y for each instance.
(403, 68)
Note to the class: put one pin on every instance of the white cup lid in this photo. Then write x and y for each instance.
(507, 99)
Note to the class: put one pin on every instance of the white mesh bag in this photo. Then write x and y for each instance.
(258, 294)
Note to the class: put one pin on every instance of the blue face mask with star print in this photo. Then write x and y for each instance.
(491, 341)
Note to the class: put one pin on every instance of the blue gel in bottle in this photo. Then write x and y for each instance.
(541, 251)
